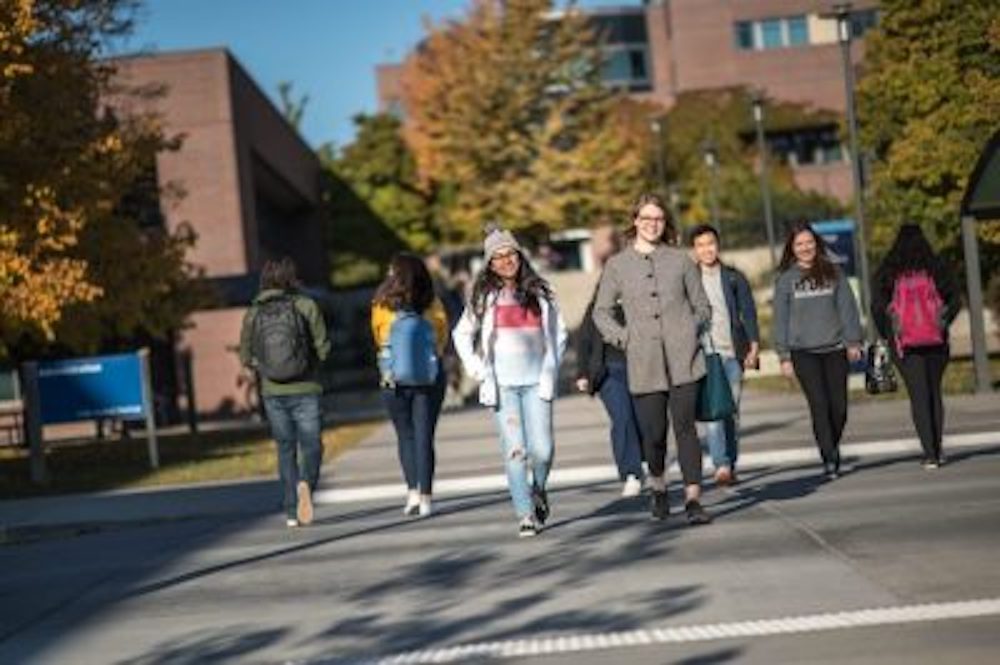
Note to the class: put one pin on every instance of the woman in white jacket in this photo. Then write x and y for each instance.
(511, 339)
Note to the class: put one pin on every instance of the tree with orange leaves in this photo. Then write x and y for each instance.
(507, 116)
(67, 169)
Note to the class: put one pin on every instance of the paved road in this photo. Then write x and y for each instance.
(365, 581)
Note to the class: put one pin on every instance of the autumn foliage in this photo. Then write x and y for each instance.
(68, 166)
(506, 113)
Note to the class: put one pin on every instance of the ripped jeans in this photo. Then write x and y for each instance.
(524, 421)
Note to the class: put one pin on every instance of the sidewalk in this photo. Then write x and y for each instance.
(775, 430)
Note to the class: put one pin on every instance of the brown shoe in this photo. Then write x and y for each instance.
(304, 511)
(723, 476)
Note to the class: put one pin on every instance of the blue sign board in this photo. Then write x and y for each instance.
(839, 237)
(90, 388)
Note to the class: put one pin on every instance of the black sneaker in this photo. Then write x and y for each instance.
(659, 505)
(541, 500)
(696, 515)
(527, 528)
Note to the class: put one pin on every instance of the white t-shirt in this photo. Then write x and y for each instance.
(722, 329)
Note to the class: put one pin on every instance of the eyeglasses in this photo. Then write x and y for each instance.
(504, 256)
(654, 220)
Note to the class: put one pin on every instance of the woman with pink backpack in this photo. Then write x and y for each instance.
(914, 300)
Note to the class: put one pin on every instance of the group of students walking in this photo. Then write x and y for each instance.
(657, 310)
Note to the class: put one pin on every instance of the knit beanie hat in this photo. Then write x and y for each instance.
(497, 239)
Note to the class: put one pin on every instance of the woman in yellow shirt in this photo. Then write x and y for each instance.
(405, 316)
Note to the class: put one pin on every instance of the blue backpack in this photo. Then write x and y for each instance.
(410, 359)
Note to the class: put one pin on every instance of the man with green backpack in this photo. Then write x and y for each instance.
(283, 341)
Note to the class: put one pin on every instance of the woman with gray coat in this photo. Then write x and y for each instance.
(666, 309)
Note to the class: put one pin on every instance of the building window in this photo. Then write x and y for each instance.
(627, 67)
(798, 31)
(771, 33)
(744, 35)
(807, 147)
(862, 21)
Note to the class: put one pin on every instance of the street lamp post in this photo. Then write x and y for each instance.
(842, 13)
(765, 189)
(712, 162)
(661, 170)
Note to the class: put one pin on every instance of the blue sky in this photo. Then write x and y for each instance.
(327, 48)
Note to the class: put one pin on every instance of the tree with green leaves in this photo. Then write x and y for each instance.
(506, 111)
(723, 119)
(929, 99)
(376, 203)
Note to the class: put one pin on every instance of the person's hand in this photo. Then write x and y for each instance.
(854, 353)
(752, 361)
(786, 369)
(583, 385)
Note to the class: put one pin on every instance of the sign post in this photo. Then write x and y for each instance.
(62, 391)
(980, 202)
(33, 424)
(149, 407)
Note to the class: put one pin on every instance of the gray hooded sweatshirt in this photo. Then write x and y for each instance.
(815, 318)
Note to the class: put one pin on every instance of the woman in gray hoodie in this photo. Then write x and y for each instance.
(816, 332)
(660, 292)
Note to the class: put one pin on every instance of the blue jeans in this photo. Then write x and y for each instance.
(625, 444)
(414, 411)
(722, 436)
(525, 423)
(296, 425)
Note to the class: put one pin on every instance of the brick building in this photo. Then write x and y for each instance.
(660, 49)
(252, 191)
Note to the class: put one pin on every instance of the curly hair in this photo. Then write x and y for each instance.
(407, 285)
(531, 288)
(823, 271)
(669, 235)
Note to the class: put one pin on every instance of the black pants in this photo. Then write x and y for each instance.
(823, 377)
(651, 410)
(923, 370)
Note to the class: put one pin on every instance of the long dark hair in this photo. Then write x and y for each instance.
(530, 289)
(910, 252)
(407, 285)
(823, 271)
(669, 235)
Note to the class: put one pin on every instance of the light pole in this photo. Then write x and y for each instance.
(842, 13)
(765, 189)
(661, 171)
(712, 162)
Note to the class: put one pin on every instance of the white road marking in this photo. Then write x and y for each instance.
(606, 473)
(865, 618)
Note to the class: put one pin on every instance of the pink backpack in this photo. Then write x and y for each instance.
(916, 311)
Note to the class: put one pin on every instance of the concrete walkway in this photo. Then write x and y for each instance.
(775, 430)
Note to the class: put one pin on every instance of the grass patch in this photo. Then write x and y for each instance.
(959, 379)
(209, 456)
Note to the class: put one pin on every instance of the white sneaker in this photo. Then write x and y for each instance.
(632, 487)
(412, 503)
(425, 506)
(291, 522)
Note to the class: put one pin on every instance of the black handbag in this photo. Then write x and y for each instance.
(880, 377)
(715, 397)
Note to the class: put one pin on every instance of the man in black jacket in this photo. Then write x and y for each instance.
(735, 337)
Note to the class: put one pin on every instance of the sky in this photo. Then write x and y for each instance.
(327, 48)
